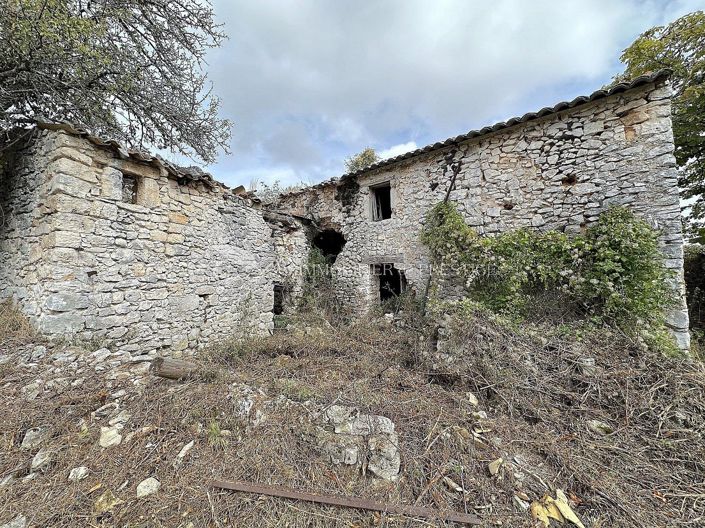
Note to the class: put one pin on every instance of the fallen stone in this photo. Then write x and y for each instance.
(106, 410)
(118, 394)
(78, 473)
(42, 460)
(63, 357)
(342, 449)
(32, 390)
(182, 454)
(7, 480)
(100, 355)
(384, 461)
(600, 427)
(348, 420)
(35, 437)
(147, 487)
(122, 418)
(494, 466)
(452, 485)
(110, 436)
(361, 439)
(38, 353)
(18, 522)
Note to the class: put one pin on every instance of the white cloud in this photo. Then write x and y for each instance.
(251, 178)
(397, 150)
(308, 83)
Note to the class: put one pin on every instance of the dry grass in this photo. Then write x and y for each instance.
(649, 470)
(647, 473)
(13, 324)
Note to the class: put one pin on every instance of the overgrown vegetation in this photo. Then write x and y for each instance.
(534, 396)
(680, 46)
(613, 273)
(694, 270)
(361, 160)
(270, 193)
(319, 297)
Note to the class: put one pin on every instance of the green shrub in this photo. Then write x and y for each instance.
(613, 273)
(694, 269)
(622, 273)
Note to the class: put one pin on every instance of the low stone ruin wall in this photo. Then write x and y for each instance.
(106, 247)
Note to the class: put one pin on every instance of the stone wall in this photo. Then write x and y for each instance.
(556, 172)
(100, 245)
(21, 267)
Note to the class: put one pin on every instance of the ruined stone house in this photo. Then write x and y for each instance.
(102, 242)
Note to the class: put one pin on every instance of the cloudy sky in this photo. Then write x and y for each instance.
(309, 83)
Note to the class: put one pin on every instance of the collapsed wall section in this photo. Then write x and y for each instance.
(556, 172)
(125, 252)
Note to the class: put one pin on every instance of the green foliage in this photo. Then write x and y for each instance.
(270, 193)
(361, 160)
(613, 273)
(694, 270)
(215, 435)
(679, 46)
(622, 269)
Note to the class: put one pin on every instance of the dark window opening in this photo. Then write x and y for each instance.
(392, 282)
(571, 179)
(278, 307)
(129, 188)
(381, 196)
(330, 242)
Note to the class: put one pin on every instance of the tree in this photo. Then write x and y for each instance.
(679, 46)
(130, 70)
(361, 160)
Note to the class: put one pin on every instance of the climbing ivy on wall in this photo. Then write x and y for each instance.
(612, 273)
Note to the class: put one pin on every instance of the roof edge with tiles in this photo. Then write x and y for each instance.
(192, 174)
(622, 87)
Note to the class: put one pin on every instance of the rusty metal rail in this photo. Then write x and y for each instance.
(354, 502)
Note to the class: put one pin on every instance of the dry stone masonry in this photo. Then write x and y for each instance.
(115, 249)
(559, 171)
(103, 243)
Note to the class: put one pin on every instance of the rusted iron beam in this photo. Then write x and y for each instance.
(353, 502)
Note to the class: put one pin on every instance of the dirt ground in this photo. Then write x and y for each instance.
(618, 429)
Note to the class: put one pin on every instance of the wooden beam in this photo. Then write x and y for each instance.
(175, 369)
(353, 502)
